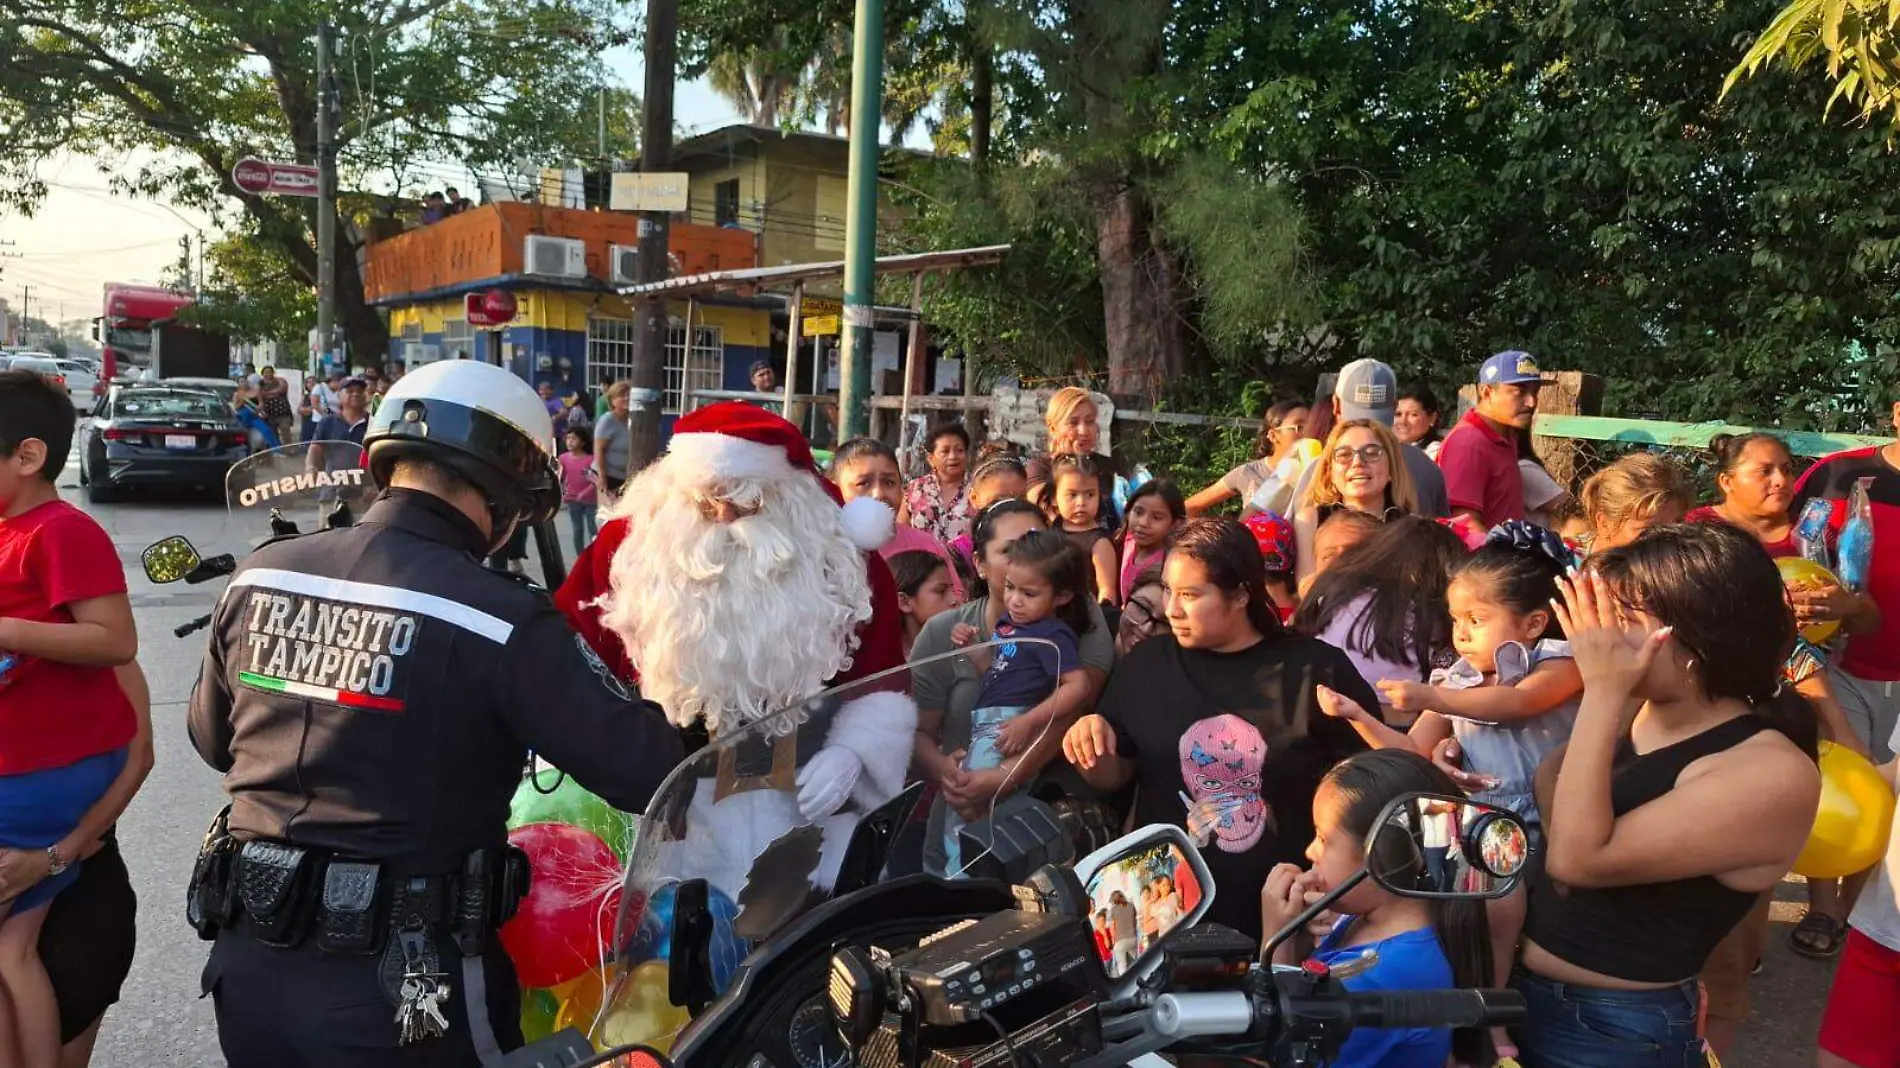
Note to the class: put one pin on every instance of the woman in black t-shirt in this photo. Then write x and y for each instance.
(1217, 723)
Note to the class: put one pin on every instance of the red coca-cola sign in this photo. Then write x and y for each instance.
(496, 307)
(266, 178)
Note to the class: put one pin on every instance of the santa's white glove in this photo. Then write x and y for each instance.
(826, 783)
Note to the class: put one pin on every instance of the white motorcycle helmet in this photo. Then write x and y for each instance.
(479, 421)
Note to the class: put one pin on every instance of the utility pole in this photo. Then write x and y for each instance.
(326, 196)
(860, 223)
(656, 154)
(603, 128)
(184, 260)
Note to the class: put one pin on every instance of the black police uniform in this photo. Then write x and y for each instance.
(370, 694)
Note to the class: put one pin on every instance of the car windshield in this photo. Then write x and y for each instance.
(158, 404)
(35, 364)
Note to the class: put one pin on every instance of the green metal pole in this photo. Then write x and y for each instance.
(860, 225)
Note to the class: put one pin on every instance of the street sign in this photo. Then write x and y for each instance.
(275, 179)
(821, 324)
(820, 306)
(659, 191)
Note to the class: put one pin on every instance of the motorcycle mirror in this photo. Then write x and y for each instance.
(169, 559)
(1140, 888)
(1447, 848)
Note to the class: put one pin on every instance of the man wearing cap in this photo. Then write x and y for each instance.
(1480, 454)
(765, 380)
(1367, 389)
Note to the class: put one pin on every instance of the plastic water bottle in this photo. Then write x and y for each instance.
(1856, 554)
(1811, 532)
(7, 663)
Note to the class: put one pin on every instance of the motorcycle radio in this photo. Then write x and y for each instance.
(1018, 987)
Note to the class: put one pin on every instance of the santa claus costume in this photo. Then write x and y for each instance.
(731, 582)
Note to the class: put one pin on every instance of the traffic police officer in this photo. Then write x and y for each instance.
(370, 695)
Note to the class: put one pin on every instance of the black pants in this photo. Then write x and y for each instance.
(302, 1008)
(87, 940)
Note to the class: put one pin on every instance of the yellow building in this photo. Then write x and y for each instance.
(787, 187)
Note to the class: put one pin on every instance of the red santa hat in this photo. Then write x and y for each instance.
(735, 439)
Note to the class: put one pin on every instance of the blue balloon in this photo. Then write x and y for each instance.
(654, 939)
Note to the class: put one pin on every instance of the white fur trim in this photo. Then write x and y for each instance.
(869, 523)
(880, 728)
(727, 456)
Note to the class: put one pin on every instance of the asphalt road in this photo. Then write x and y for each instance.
(161, 1022)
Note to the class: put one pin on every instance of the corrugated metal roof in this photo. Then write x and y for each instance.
(792, 273)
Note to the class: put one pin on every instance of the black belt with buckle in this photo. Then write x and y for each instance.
(286, 893)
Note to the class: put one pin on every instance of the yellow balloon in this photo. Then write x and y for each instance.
(1307, 449)
(641, 1013)
(1797, 573)
(580, 1001)
(1854, 821)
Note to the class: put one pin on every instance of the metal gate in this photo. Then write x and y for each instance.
(610, 358)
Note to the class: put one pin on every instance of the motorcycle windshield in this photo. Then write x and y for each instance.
(766, 815)
(302, 483)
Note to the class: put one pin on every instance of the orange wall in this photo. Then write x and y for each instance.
(488, 242)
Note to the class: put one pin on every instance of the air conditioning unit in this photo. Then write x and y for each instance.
(556, 257)
(626, 263)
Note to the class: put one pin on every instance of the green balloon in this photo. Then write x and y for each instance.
(538, 1009)
(572, 804)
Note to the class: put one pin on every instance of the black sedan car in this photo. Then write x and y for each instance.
(158, 436)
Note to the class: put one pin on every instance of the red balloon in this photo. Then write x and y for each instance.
(566, 922)
(499, 304)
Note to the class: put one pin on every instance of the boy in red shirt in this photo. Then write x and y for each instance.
(65, 724)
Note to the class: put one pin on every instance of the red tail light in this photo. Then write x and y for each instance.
(115, 433)
(237, 438)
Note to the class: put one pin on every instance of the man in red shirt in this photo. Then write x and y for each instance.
(1479, 456)
(1866, 676)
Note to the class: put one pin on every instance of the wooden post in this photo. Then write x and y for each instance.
(1566, 393)
(912, 353)
(795, 309)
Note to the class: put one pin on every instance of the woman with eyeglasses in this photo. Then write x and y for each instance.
(1361, 470)
(1279, 429)
(1145, 614)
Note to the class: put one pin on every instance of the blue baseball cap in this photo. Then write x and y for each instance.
(1509, 369)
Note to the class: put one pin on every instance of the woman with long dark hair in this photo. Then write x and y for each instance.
(1218, 721)
(1662, 831)
(1382, 601)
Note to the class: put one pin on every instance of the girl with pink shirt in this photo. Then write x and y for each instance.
(578, 489)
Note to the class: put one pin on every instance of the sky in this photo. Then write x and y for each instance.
(84, 236)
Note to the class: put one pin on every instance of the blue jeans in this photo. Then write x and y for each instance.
(583, 516)
(1572, 1026)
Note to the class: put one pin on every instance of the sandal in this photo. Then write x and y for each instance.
(1818, 936)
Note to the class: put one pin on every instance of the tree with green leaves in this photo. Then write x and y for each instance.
(172, 94)
(1854, 39)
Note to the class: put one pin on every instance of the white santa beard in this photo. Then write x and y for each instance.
(727, 622)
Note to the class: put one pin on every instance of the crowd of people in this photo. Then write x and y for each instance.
(1405, 607)
(1398, 608)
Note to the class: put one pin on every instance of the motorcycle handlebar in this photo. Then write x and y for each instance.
(1433, 1008)
(1231, 1012)
(192, 627)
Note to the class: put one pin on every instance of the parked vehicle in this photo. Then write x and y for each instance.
(82, 382)
(158, 436)
(45, 366)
